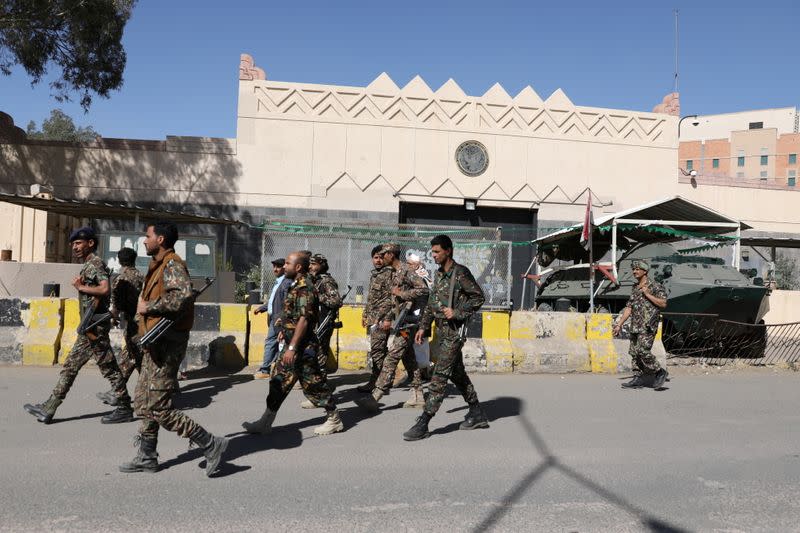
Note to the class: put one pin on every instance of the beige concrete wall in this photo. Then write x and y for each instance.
(784, 307)
(753, 144)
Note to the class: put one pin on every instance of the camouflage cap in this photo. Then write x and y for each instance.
(390, 247)
(640, 263)
(83, 234)
(319, 259)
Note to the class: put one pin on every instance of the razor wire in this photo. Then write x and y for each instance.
(716, 341)
(348, 250)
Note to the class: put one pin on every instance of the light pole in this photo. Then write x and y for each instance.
(695, 122)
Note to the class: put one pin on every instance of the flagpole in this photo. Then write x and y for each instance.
(591, 260)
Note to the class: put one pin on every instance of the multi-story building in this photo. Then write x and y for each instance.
(755, 149)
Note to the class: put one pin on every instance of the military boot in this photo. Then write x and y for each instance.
(263, 425)
(660, 378)
(146, 459)
(475, 419)
(121, 414)
(108, 397)
(44, 411)
(420, 428)
(332, 425)
(213, 448)
(634, 383)
(417, 399)
(370, 403)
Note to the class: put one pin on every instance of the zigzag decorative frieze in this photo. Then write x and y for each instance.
(416, 104)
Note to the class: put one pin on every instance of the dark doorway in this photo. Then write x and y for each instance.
(517, 225)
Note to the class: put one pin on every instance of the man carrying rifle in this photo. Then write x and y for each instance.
(295, 362)
(379, 305)
(455, 296)
(407, 287)
(93, 289)
(329, 303)
(125, 291)
(167, 294)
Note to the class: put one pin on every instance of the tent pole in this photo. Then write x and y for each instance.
(614, 249)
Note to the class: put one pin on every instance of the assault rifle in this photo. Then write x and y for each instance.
(164, 324)
(91, 319)
(402, 321)
(331, 321)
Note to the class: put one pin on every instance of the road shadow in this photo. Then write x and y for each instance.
(549, 461)
(200, 393)
(495, 409)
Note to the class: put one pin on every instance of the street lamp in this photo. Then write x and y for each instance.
(695, 122)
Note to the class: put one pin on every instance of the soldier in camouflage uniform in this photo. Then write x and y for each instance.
(407, 287)
(167, 293)
(125, 291)
(330, 301)
(296, 360)
(455, 296)
(644, 307)
(379, 305)
(93, 290)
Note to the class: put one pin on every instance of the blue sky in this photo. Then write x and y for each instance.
(183, 56)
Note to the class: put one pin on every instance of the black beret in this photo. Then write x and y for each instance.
(83, 234)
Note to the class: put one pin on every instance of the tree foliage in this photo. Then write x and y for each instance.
(60, 127)
(786, 274)
(81, 37)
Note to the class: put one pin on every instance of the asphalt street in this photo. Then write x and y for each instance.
(717, 451)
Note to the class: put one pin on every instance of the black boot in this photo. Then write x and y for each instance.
(121, 414)
(420, 429)
(635, 383)
(660, 378)
(213, 448)
(108, 398)
(146, 459)
(475, 419)
(44, 412)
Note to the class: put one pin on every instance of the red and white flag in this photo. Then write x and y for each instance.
(588, 225)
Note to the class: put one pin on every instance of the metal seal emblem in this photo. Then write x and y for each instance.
(472, 158)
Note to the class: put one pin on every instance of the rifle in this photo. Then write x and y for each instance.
(400, 321)
(164, 324)
(331, 321)
(90, 320)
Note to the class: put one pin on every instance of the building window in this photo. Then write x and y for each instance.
(792, 178)
(792, 159)
(764, 160)
(740, 161)
(745, 255)
(756, 125)
(715, 163)
(763, 174)
(740, 174)
(689, 165)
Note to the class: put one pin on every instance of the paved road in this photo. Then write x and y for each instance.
(717, 452)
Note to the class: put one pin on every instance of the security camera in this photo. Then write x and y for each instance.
(695, 122)
(693, 173)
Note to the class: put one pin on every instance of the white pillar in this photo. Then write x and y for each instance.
(614, 249)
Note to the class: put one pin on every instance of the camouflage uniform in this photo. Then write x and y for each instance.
(379, 306)
(329, 302)
(301, 301)
(468, 298)
(645, 317)
(168, 291)
(412, 287)
(95, 343)
(124, 296)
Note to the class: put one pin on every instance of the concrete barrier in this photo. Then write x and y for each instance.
(257, 326)
(72, 317)
(353, 340)
(609, 355)
(219, 336)
(496, 335)
(549, 342)
(12, 329)
(43, 337)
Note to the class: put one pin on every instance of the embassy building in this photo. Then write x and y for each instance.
(371, 156)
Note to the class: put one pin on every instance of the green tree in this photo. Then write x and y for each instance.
(786, 275)
(82, 37)
(60, 127)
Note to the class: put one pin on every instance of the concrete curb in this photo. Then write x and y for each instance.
(219, 336)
